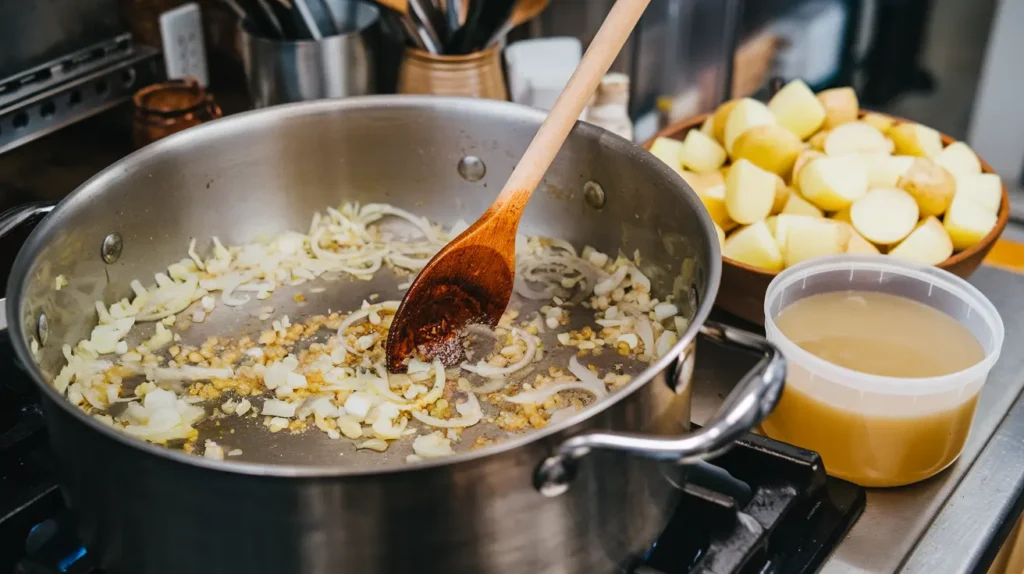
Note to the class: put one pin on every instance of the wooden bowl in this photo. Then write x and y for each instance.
(743, 286)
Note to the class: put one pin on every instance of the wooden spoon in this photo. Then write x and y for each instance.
(470, 279)
(524, 11)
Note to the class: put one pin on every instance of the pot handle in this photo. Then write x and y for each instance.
(748, 404)
(12, 219)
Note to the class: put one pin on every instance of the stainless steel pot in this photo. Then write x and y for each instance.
(588, 494)
(338, 66)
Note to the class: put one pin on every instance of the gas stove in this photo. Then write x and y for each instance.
(763, 507)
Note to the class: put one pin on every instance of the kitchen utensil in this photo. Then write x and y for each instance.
(470, 279)
(281, 71)
(272, 18)
(744, 286)
(432, 18)
(917, 426)
(424, 28)
(482, 19)
(409, 31)
(320, 12)
(304, 499)
(284, 12)
(251, 10)
(308, 21)
(453, 16)
(476, 75)
(523, 12)
(234, 7)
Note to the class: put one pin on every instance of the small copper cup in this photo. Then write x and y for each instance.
(476, 75)
(169, 107)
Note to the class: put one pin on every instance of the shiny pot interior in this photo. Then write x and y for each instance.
(267, 172)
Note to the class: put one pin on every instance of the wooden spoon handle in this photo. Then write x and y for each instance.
(570, 103)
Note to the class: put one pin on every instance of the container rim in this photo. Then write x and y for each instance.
(882, 264)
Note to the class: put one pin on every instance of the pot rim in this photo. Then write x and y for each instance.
(242, 123)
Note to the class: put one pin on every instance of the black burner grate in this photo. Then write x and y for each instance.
(764, 507)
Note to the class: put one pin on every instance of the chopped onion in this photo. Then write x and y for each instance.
(646, 332)
(382, 387)
(438, 388)
(483, 369)
(586, 376)
(470, 411)
(540, 395)
(276, 408)
(606, 286)
(187, 373)
(376, 444)
(663, 311)
(195, 256)
(665, 343)
(433, 445)
(491, 386)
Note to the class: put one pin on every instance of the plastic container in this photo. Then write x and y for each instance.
(869, 429)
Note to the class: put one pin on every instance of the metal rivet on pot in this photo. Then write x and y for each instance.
(42, 329)
(594, 194)
(111, 249)
(472, 168)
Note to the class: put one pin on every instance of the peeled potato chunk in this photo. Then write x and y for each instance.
(720, 117)
(886, 170)
(931, 186)
(720, 233)
(801, 160)
(784, 222)
(858, 245)
(701, 153)
(668, 150)
(797, 109)
(840, 105)
(749, 192)
(841, 215)
(929, 244)
(915, 139)
(713, 199)
(708, 127)
(754, 245)
(770, 221)
(771, 147)
(880, 122)
(884, 216)
(985, 189)
(832, 183)
(815, 238)
(782, 193)
(701, 182)
(856, 137)
(959, 159)
(746, 114)
(967, 222)
(797, 205)
(817, 141)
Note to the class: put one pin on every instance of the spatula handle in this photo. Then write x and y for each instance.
(570, 103)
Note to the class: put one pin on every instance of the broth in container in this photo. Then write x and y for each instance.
(886, 360)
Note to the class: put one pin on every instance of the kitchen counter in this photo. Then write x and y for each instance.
(953, 522)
